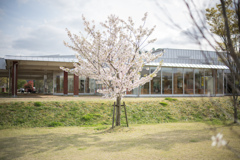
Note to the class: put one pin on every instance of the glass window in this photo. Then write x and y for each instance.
(129, 92)
(188, 81)
(49, 83)
(39, 87)
(145, 87)
(178, 80)
(134, 91)
(96, 86)
(229, 83)
(70, 83)
(101, 86)
(92, 86)
(156, 82)
(87, 85)
(81, 84)
(225, 84)
(167, 80)
(59, 84)
(219, 82)
(209, 84)
(199, 81)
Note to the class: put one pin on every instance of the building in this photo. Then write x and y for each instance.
(183, 73)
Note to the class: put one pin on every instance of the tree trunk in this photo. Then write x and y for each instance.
(235, 103)
(235, 114)
(118, 112)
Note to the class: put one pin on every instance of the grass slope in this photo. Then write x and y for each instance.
(99, 112)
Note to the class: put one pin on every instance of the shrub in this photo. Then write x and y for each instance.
(55, 124)
(37, 104)
(163, 104)
(87, 117)
(170, 99)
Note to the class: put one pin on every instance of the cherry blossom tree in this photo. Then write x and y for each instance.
(113, 56)
(29, 86)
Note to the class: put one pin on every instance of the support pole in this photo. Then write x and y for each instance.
(125, 113)
(76, 85)
(9, 81)
(14, 78)
(113, 115)
(65, 83)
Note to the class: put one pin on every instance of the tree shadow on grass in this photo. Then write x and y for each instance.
(15, 147)
(158, 141)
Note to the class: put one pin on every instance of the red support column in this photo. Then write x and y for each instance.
(3, 89)
(65, 83)
(76, 85)
(14, 78)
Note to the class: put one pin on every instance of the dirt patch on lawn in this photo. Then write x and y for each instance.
(42, 97)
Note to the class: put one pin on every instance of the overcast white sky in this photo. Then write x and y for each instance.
(37, 27)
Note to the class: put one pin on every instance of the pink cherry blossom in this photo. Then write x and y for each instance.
(115, 56)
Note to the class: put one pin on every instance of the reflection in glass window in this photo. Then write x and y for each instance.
(156, 83)
(59, 84)
(199, 81)
(58, 87)
(70, 83)
(92, 86)
(167, 80)
(87, 90)
(87, 85)
(145, 87)
(134, 91)
(219, 82)
(188, 81)
(101, 86)
(49, 83)
(229, 81)
(81, 84)
(178, 80)
(209, 84)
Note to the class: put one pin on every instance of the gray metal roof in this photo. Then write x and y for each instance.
(179, 65)
(2, 63)
(171, 58)
(50, 58)
(188, 56)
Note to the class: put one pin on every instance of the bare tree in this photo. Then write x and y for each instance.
(221, 32)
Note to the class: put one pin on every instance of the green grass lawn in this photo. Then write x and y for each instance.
(58, 127)
(138, 142)
(97, 111)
